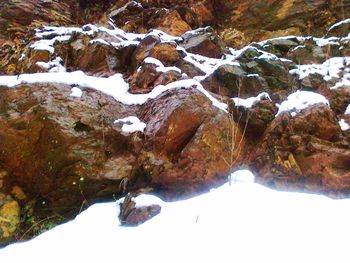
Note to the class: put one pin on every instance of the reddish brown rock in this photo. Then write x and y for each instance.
(272, 18)
(66, 153)
(173, 24)
(63, 150)
(143, 50)
(300, 153)
(233, 81)
(166, 53)
(147, 77)
(203, 12)
(204, 42)
(59, 154)
(98, 58)
(254, 121)
(29, 63)
(192, 153)
(16, 17)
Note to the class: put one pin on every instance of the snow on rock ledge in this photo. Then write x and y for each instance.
(347, 111)
(249, 102)
(331, 68)
(299, 101)
(344, 125)
(131, 124)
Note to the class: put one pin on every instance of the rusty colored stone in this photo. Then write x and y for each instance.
(173, 24)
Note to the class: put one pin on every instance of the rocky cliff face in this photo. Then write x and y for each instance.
(167, 97)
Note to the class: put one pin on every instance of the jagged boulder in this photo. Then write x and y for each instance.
(192, 153)
(63, 150)
(148, 76)
(254, 121)
(166, 53)
(203, 42)
(173, 24)
(306, 152)
(234, 81)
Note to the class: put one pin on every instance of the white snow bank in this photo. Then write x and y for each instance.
(250, 102)
(131, 124)
(114, 86)
(300, 100)
(241, 222)
(344, 125)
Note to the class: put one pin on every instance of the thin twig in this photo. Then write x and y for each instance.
(36, 224)
(4, 219)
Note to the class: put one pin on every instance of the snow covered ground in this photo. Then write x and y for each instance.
(241, 222)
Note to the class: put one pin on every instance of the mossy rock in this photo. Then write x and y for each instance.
(9, 217)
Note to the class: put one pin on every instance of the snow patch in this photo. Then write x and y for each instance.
(147, 200)
(299, 101)
(345, 21)
(250, 102)
(76, 92)
(52, 66)
(242, 176)
(99, 41)
(160, 66)
(22, 57)
(131, 124)
(48, 44)
(344, 125)
(347, 111)
(331, 68)
(321, 42)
